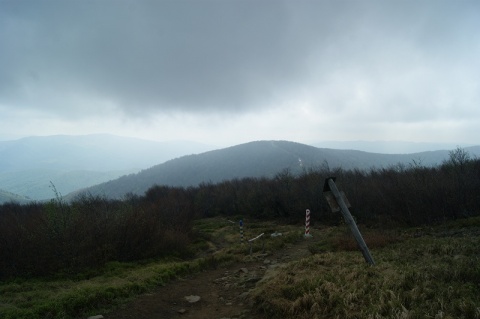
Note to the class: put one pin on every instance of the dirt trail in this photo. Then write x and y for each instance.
(223, 291)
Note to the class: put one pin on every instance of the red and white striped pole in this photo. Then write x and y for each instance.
(307, 224)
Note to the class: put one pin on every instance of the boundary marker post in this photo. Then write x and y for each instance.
(307, 224)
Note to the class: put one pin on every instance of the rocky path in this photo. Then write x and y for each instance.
(223, 291)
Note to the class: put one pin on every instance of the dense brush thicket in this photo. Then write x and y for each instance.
(44, 238)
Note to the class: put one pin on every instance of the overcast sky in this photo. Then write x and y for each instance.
(228, 71)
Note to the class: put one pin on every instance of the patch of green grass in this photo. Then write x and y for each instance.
(465, 222)
(224, 236)
(71, 298)
(215, 233)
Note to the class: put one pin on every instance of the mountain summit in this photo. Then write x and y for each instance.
(254, 159)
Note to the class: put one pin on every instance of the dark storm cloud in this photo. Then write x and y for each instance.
(211, 56)
(174, 54)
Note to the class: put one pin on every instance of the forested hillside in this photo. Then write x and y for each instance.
(257, 159)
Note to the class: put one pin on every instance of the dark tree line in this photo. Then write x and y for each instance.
(39, 239)
(405, 195)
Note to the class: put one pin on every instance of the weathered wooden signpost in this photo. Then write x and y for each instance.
(338, 202)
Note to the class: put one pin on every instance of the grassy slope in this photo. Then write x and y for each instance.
(74, 297)
(431, 274)
(419, 274)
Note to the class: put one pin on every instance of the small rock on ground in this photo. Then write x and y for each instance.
(192, 298)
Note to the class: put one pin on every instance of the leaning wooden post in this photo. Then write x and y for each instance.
(350, 221)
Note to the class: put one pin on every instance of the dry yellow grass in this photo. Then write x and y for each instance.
(433, 276)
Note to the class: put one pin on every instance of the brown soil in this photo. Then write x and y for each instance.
(223, 291)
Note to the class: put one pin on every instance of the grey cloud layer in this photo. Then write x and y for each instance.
(235, 56)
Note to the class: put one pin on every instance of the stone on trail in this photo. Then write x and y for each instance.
(192, 298)
(96, 317)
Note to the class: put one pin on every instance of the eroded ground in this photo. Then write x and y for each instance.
(223, 292)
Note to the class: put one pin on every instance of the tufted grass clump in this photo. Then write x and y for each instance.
(434, 276)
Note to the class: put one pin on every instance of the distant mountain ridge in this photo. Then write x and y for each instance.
(11, 197)
(96, 152)
(389, 147)
(28, 165)
(37, 182)
(256, 159)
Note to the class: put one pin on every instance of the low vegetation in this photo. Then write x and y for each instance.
(60, 259)
(421, 272)
(98, 291)
(427, 273)
(87, 294)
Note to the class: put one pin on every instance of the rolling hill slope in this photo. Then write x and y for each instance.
(6, 197)
(254, 159)
(28, 165)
